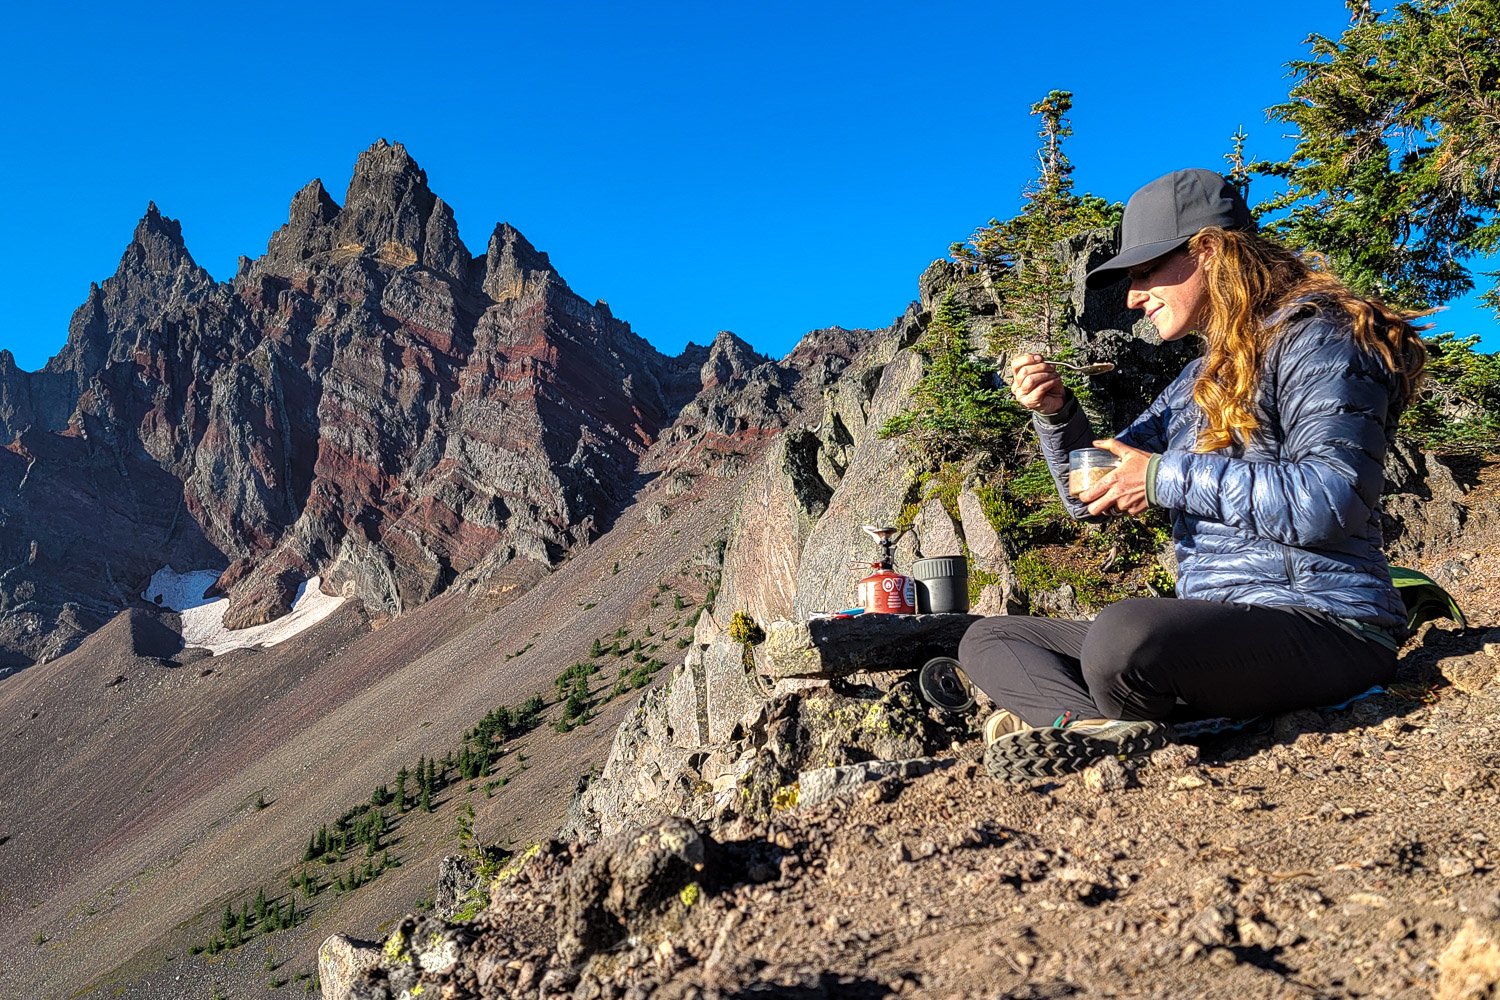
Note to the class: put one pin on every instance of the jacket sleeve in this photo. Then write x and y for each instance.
(1058, 434)
(1330, 401)
(1069, 429)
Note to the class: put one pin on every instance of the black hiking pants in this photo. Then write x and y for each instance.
(1155, 658)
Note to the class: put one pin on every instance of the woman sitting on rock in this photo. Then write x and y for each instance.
(1268, 451)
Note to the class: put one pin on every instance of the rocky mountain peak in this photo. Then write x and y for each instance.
(729, 359)
(313, 205)
(156, 276)
(512, 267)
(307, 235)
(389, 210)
(156, 247)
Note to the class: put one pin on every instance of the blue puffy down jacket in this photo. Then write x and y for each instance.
(1291, 518)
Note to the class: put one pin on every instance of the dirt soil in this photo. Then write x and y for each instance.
(1348, 853)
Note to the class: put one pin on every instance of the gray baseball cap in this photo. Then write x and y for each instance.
(1168, 212)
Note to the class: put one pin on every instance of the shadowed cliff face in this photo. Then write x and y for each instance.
(367, 401)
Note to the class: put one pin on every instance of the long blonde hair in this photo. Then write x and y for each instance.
(1249, 280)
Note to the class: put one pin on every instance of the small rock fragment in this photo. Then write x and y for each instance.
(1222, 957)
(1257, 933)
(1374, 900)
(1176, 757)
(1393, 725)
(1469, 968)
(884, 790)
(1455, 867)
(1109, 775)
(527, 975)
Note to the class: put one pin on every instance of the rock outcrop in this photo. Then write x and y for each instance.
(692, 748)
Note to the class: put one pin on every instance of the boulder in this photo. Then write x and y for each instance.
(458, 878)
(869, 643)
(626, 881)
(824, 783)
(343, 961)
(1469, 968)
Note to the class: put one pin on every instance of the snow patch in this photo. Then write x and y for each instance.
(203, 618)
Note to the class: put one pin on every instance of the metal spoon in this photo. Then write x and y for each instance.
(1097, 368)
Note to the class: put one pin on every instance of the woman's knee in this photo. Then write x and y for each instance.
(1122, 642)
(1128, 632)
(985, 633)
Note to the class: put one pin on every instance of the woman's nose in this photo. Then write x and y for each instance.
(1135, 298)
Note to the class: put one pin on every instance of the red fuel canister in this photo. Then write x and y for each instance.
(886, 592)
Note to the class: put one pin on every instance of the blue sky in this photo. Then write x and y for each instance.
(765, 168)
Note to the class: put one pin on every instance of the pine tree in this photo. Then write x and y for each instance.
(955, 407)
(467, 844)
(1394, 176)
(1239, 170)
(401, 777)
(1021, 255)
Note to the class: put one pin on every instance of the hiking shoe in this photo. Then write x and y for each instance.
(1030, 753)
(1003, 723)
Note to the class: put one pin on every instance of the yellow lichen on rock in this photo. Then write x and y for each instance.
(397, 254)
(517, 863)
(786, 797)
(397, 948)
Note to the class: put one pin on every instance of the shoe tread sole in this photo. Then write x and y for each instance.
(1051, 752)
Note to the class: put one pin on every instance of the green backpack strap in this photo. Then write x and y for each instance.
(1425, 600)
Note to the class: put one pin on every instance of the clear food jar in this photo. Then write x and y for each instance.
(1087, 466)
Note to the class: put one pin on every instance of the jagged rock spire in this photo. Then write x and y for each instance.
(389, 213)
(156, 271)
(156, 246)
(729, 358)
(390, 208)
(308, 233)
(513, 266)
